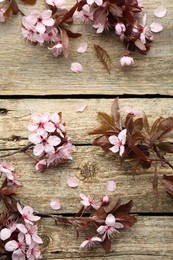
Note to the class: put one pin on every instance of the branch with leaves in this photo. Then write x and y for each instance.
(132, 138)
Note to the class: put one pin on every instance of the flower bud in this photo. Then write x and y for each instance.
(120, 28)
(126, 60)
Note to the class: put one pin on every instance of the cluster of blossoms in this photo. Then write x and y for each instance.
(19, 237)
(51, 144)
(121, 17)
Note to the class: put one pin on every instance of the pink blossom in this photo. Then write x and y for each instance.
(55, 204)
(57, 3)
(110, 228)
(33, 252)
(85, 15)
(44, 143)
(111, 185)
(27, 214)
(145, 31)
(61, 154)
(51, 35)
(59, 126)
(30, 232)
(29, 31)
(98, 2)
(41, 124)
(118, 142)
(120, 28)
(18, 248)
(56, 50)
(7, 170)
(72, 182)
(88, 202)
(41, 165)
(90, 242)
(126, 60)
(82, 47)
(42, 20)
(76, 67)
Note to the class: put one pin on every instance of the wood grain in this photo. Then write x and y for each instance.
(30, 70)
(15, 122)
(149, 239)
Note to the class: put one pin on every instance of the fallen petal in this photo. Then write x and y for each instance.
(160, 12)
(76, 67)
(72, 182)
(82, 47)
(111, 185)
(156, 27)
(55, 204)
(81, 107)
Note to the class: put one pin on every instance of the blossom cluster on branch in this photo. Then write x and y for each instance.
(130, 137)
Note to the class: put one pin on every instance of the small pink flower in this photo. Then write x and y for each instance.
(41, 124)
(33, 252)
(85, 15)
(126, 60)
(56, 50)
(90, 242)
(29, 31)
(42, 20)
(118, 142)
(57, 3)
(88, 202)
(7, 170)
(98, 2)
(55, 204)
(51, 35)
(27, 214)
(120, 28)
(41, 165)
(18, 248)
(31, 233)
(110, 228)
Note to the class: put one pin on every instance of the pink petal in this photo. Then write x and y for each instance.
(96, 239)
(5, 233)
(160, 12)
(84, 243)
(101, 229)
(11, 245)
(54, 140)
(113, 139)
(40, 28)
(73, 182)
(28, 239)
(81, 107)
(55, 204)
(38, 149)
(114, 148)
(156, 27)
(76, 67)
(19, 208)
(122, 136)
(110, 220)
(82, 47)
(122, 150)
(46, 14)
(34, 138)
(49, 127)
(22, 228)
(49, 22)
(111, 185)
(37, 239)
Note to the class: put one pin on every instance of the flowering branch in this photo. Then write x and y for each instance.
(134, 139)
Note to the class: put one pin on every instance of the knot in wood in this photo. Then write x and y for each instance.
(88, 170)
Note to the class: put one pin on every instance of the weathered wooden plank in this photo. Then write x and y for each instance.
(19, 111)
(93, 168)
(34, 71)
(150, 238)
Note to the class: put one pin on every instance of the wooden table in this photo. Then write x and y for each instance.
(33, 81)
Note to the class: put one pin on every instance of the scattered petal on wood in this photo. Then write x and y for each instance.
(103, 57)
(160, 12)
(55, 204)
(156, 27)
(72, 182)
(111, 185)
(81, 107)
(82, 47)
(76, 67)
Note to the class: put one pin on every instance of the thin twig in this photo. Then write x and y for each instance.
(21, 150)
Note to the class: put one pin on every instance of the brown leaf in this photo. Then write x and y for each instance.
(69, 14)
(103, 57)
(146, 123)
(140, 45)
(166, 147)
(112, 205)
(100, 214)
(115, 10)
(106, 244)
(125, 207)
(168, 184)
(126, 219)
(31, 2)
(103, 142)
(115, 112)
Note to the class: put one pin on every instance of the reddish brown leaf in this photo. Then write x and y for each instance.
(115, 112)
(168, 185)
(103, 57)
(106, 244)
(125, 207)
(138, 124)
(168, 177)
(115, 10)
(72, 34)
(112, 205)
(146, 123)
(100, 214)
(166, 147)
(126, 219)
(69, 14)
(14, 7)
(31, 2)
(103, 142)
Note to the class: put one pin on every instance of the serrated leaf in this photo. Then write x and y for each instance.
(103, 57)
